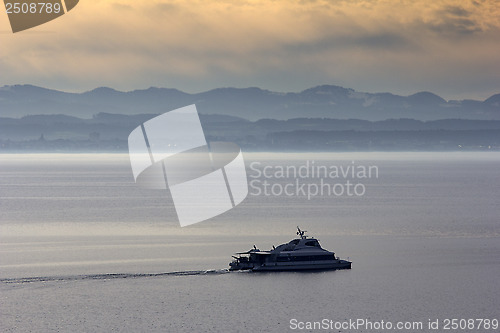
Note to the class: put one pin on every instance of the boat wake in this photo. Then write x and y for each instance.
(110, 276)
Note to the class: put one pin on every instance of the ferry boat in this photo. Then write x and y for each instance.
(302, 253)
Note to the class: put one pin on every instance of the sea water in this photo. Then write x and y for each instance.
(83, 249)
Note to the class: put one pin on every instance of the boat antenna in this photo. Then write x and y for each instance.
(301, 233)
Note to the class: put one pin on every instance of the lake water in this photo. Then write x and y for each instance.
(83, 249)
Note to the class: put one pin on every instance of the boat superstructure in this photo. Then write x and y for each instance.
(304, 253)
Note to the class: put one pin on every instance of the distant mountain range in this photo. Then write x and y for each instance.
(109, 132)
(326, 101)
(218, 127)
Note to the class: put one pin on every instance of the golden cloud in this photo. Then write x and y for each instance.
(124, 40)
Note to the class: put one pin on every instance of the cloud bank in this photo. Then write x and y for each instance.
(450, 47)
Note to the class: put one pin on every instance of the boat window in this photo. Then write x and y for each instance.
(311, 243)
(295, 241)
(306, 258)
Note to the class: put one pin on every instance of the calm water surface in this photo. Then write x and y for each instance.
(83, 249)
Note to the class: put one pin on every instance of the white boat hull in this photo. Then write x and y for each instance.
(292, 266)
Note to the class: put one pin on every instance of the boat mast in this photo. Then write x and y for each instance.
(301, 233)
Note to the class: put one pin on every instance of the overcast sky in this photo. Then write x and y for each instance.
(451, 48)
